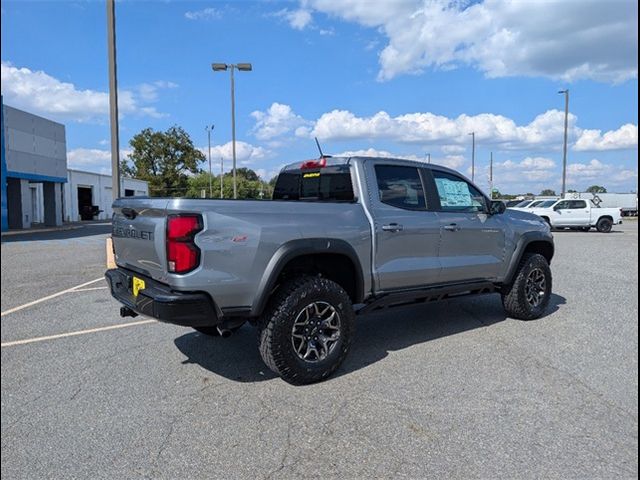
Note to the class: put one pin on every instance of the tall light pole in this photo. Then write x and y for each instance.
(473, 155)
(113, 99)
(564, 150)
(491, 176)
(428, 155)
(243, 67)
(209, 128)
(221, 176)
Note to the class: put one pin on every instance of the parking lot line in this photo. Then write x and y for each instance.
(48, 297)
(90, 289)
(73, 334)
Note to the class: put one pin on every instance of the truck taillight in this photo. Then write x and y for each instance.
(183, 255)
(309, 164)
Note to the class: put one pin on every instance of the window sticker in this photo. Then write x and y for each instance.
(453, 194)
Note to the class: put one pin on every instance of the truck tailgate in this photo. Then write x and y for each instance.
(139, 235)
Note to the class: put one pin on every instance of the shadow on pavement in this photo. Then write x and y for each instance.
(237, 358)
(76, 230)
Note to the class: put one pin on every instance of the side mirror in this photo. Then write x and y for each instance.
(497, 207)
(556, 208)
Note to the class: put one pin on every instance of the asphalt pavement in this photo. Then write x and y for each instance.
(453, 389)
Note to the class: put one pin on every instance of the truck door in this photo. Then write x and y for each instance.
(406, 233)
(472, 241)
(580, 213)
(569, 213)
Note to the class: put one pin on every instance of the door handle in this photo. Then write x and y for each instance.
(392, 227)
(451, 228)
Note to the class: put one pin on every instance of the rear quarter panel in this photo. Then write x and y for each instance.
(240, 238)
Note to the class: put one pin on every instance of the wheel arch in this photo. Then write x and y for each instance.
(335, 259)
(530, 242)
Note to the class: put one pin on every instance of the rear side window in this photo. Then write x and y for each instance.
(330, 184)
(577, 204)
(458, 195)
(400, 187)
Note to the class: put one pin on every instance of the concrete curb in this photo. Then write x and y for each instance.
(40, 230)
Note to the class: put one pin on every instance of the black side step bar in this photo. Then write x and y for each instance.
(431, 294)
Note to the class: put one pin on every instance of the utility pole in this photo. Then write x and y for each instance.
(491, 176)
(208, 129)
(243, 67)
(473, 155)
(564, 150)
(113, 99)
(221, 177)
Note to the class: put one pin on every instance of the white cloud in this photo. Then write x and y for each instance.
(597, 172)
(92, 159)
(246, 153)
(298, 19)
(453, 149)
(626, 137)
(277, 120)
(593, 169)
(451, 161)
(204, 14)
(546, 130)
(558, 39)
(38, 92)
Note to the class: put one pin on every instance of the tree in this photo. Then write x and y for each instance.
(596, 189)
(164, 159)
(245, 173)
(247, 189)
(547, 192)
(572, 191)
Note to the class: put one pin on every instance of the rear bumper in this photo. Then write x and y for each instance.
(160, 302)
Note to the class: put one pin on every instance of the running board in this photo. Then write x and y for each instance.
(432, 294)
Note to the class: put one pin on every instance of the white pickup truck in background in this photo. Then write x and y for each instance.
(579, 215)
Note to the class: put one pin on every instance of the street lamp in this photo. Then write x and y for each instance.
(243, 67)
(564, 150)
(428, 155)
(473, 155)
(209, 128)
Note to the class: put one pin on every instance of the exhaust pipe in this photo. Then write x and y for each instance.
(127, 312)
(224, 332)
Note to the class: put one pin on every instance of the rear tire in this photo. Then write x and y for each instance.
(306, 330)
(604, 225)
(528, 296)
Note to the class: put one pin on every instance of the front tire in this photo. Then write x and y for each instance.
(306, 330)
(604, 225)
(528, 296)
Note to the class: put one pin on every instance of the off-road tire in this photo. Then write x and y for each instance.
(514, 297)
(276, 328)
(604, 225)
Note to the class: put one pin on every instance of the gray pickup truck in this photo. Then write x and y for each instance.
(341, 236)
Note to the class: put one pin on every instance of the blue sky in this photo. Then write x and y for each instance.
(395, 78)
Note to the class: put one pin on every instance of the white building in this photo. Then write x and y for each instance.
(88, 189)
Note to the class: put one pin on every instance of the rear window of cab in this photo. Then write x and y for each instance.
(327, 184)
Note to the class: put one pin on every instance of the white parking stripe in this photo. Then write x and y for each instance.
(88, 289)
(73, 334)
(48, 297)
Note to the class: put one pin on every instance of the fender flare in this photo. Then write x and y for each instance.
(525, 240)
(298, 248)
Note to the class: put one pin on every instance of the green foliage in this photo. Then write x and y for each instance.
(250, 186)
(596, 189)
(547, 192)
(164, 159)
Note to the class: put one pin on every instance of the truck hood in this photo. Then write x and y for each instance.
(527, 220)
